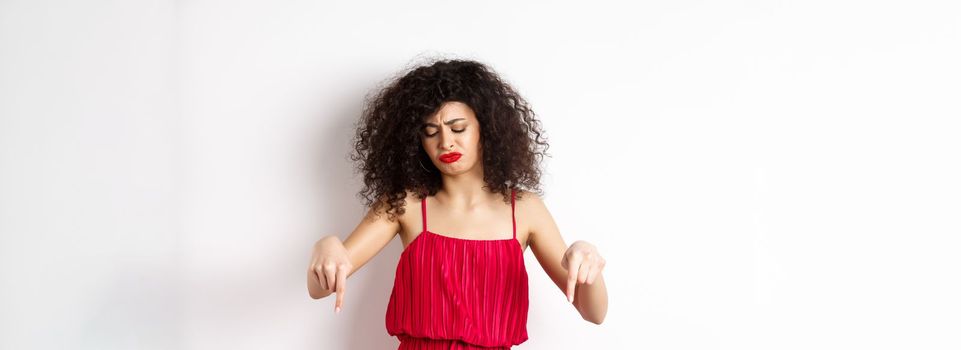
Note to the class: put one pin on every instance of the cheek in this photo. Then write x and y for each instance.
(478, 146)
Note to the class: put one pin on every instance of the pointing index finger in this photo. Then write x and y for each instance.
(341, 281)
(575, 265)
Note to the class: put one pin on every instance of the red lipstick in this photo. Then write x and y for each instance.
(450, 157)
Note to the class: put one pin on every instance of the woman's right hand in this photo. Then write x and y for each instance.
(328, 270)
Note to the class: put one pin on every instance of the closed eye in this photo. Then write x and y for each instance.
(457, 131)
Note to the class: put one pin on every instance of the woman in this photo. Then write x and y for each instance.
(447, 151)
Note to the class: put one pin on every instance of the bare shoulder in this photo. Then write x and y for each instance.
(411, 205)
(410, 220)
(378, 228)
(525, 194)
(534, 216)
(530, 203)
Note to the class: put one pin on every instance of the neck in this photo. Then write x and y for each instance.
(464, 190)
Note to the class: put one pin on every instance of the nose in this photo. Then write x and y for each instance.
(446, 140)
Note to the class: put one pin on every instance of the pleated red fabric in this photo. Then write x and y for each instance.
(454, 293)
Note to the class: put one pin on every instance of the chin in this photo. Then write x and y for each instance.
(455, 169)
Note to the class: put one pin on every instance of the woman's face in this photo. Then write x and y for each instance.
(452, 131)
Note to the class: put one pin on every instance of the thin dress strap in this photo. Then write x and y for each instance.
(423, 213)
(514, 223)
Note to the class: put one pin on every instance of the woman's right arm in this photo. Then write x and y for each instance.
(333, 261)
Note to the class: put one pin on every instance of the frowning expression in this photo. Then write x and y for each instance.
(451, 137)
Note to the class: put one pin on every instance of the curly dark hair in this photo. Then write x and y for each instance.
(387, 147)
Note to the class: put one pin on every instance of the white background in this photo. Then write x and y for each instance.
(758, 174)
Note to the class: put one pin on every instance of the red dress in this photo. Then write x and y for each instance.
(454, 293)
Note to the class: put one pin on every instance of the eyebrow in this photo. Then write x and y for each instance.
(449, 122)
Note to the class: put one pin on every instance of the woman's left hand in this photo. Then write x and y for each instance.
(583, 264)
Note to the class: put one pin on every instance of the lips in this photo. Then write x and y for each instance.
(450, 157)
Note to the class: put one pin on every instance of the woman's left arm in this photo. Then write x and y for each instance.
(576, 270)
